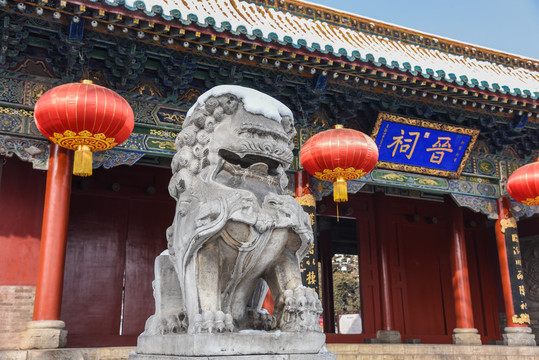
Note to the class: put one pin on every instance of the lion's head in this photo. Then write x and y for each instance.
(237, 136)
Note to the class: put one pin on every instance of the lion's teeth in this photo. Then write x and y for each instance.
(259, 168)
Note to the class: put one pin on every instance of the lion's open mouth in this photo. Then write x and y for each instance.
(248, 160)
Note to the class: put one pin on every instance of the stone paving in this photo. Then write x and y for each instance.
(343, 351)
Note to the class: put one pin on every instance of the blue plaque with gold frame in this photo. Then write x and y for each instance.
(423, 147)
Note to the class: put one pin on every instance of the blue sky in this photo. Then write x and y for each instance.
(508, 25)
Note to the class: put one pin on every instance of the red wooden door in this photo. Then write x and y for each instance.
(93, 281)
(422, 290)
(145, 240)
(116, 229)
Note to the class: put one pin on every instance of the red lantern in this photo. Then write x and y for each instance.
(523, 184)
(84, 117)
(339, 155)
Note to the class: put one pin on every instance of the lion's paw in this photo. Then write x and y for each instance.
(301, 311)
(212, 322)
(171, 324)
(260, 320)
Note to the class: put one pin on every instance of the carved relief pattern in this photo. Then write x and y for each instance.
(142, 111)
(111, 158)
(34, 151)
(477, 204)
(12, 91)
(504, 176)
(37, 152)
(33, 91)
(521, 210)
(324, 188)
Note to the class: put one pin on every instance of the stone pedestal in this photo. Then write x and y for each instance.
(518, 336)
(230, 345)
(388, 337)
(466, 336)
(44, 334)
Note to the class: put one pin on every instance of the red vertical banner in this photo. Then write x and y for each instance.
(516, 306)
(309, 264)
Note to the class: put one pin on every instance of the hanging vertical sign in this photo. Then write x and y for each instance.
(309, 264)
(512, 246)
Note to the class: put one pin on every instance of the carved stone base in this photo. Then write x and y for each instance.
(518, 336)
(388, 337)
(44, 334)
(463, 336)
(230, 344)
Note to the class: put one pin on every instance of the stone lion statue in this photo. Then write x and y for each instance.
(234, 227)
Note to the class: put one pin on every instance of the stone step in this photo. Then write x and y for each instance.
(343, 352)
(432, 352)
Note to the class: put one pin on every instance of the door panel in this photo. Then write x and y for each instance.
(146, 239)
(93, 280)
(115, 233)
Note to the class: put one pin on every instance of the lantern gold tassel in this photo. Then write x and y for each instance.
(340, 191)
(82, 166)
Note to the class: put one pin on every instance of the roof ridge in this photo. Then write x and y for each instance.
(380, 28)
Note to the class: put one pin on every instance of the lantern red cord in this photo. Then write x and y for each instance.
(84, 117)
(339, 155)
(523, 184)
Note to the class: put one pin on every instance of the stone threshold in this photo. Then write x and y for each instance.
(105, 353)
(432, 352)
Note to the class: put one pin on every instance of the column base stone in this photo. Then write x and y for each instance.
(44, 334)
(466, 336)
(388, 337)
(518, 336)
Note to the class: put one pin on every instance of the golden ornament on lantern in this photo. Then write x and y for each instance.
(339, 155)
(84, 117)
(523, 184)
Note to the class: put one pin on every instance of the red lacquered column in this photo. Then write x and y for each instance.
(459, 269)
(302, 183)
(388, 334)
(383, 264)
(464, 333)
(46, 329)
(50, 277)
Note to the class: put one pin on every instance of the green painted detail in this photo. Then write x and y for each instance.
(162, 133)
(486, 167)
(161, 145)
(296, 165)
(480, 180)
(423, 181)
(167, 116)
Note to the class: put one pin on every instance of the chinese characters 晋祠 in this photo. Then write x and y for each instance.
(420, 146)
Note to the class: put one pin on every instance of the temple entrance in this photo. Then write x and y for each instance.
(415, 236)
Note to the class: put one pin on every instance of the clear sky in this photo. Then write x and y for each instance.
(507, 25)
